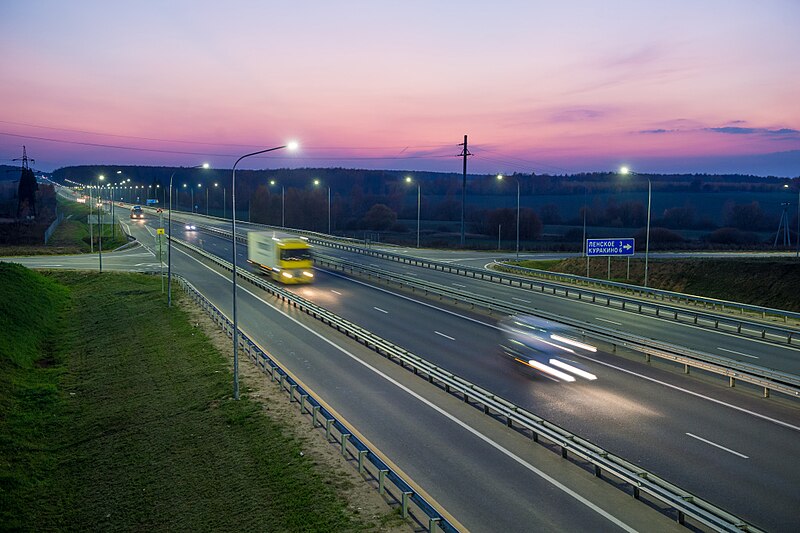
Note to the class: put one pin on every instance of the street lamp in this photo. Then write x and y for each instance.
(283, 203)
(797, 253)
(316, 183)
(290, 146)
(625, 171)
(419, 204)
(100, 211)
(501, 177)
(169, 237)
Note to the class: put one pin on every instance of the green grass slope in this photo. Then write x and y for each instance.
(138, 430)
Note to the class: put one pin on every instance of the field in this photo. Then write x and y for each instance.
(72, 235)
(765, 282)
(117, 415)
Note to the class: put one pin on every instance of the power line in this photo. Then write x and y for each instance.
(85, 132)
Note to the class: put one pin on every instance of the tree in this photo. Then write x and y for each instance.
(380, 217)
(26, 194)
(551, 214)
(745, 216)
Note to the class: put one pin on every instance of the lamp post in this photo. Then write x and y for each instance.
(283, 203)
(797, 235)
(100, 211)
(419, 203)
(169, 237)
(501, 177)
(316, 183)
(290, 146)
(625, 171)
(207, 201)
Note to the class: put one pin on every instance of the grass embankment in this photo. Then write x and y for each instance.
(117, 415)
(72, 235)
(766, 282)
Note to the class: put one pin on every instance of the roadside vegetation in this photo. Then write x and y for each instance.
(768, 282)
(117, 415)
(72, 235)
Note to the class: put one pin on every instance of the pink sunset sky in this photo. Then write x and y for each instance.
(558, 87)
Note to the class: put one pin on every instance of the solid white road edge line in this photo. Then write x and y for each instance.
(611, 518)
(609, 365)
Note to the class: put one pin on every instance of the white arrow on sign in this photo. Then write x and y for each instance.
(627, 247)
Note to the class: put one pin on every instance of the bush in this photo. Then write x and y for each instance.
(658, 236)
(731, 236)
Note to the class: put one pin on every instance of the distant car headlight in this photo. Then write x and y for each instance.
(191, 227)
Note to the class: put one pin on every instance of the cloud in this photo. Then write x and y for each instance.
(778, 134)
(785, 133)
(576, 114)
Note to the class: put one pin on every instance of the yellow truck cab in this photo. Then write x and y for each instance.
(286, 257)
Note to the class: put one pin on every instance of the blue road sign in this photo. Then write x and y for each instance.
(598, 247)
(152, 201)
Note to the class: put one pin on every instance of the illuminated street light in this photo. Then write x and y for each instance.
(290, 146)
(419, 203)
(501, 177)
(283, 203)
(316, 184)
(625, 171)
(169, 238)
(100, 212)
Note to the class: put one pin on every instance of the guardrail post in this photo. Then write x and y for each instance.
(272, 372)
(283, 379)
(303, 403)
(382, 481)
(404, 503)
(328, 422)
(597, 471)
(635, 492)
(681, 517)
(732, 382)
(345, 437)
(766, 392)
(564, 451)
(292, 388)
(314, 413)
(361, 455)
(685, 369)
(433, 524)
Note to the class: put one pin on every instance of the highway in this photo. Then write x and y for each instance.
(488, 477)
(733, 448)
(693, 431)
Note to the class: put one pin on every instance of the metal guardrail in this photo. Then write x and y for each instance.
(647, 292)
(370, 463)
(725, 323)
(640, 480)
(52, 227)
(766, 378)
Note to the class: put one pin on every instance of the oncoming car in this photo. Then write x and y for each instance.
(137, 212)
(190, 227)
(548, 347)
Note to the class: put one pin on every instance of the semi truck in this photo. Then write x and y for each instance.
(285, 257)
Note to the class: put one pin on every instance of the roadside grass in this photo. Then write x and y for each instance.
(768, 282)
(130, 423)
(72, 235)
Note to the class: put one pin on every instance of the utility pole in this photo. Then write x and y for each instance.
(464, 153)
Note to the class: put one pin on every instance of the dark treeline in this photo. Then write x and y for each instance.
(382, 200)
